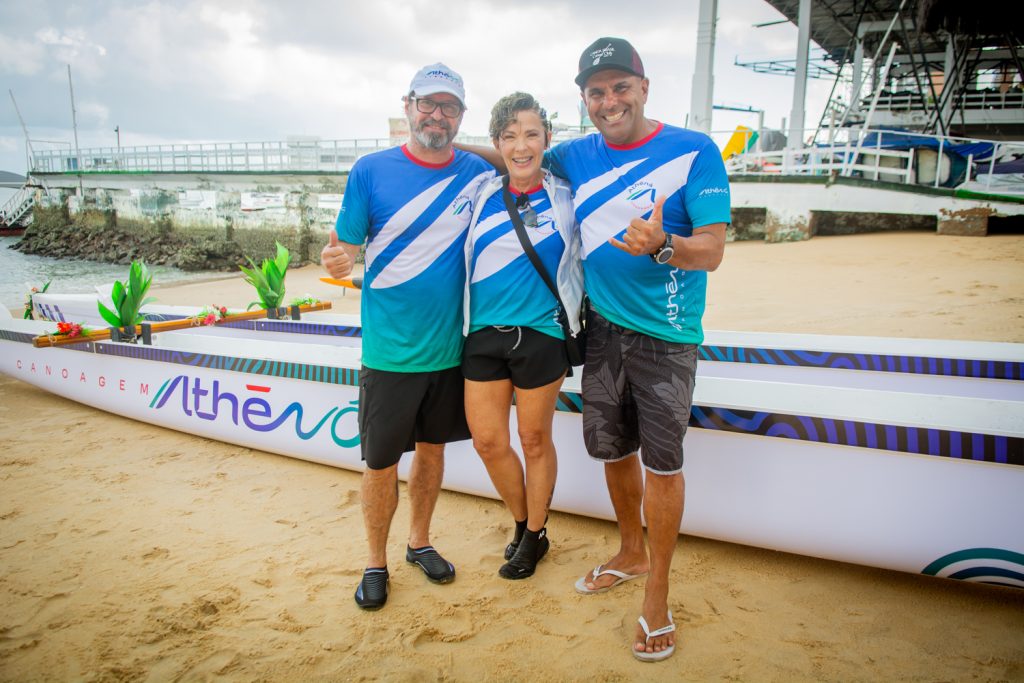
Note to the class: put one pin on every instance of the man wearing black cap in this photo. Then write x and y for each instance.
(652, 201)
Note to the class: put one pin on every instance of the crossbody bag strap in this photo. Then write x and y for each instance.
(524, 240)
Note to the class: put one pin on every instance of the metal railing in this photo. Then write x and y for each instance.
(319, 156)
(19, 204)
(848, 151)
(311, 156)
(908, 100)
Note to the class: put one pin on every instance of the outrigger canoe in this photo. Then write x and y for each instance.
(894, 453)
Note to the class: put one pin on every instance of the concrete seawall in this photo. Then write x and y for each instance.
(206, 200)
(772, 208)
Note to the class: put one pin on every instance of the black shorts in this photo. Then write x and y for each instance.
(399, 409)
(529, 358)
(637, 392)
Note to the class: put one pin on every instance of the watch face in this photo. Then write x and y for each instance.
(664, 255)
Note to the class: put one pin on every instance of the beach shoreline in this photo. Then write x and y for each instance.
(133, 552)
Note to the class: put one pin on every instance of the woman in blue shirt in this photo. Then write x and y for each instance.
(515, 344)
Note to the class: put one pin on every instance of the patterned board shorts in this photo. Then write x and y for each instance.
(637, 392)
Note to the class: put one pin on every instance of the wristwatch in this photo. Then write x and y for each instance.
(665, 252)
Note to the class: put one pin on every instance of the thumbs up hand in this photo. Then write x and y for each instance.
(335, 258)
(643, 236)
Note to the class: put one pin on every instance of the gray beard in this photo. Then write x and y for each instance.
(433, 140)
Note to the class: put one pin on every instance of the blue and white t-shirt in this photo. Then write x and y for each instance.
(413, 217)
(504, 287)
(613, 184)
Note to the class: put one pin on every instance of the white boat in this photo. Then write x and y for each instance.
(901, 454)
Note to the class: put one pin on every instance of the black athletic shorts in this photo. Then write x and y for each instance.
(529, 358)
(637, 392)
(399, 409)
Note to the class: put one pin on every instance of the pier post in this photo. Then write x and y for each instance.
(964, 222)
(787, 225)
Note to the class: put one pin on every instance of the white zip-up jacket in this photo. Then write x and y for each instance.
(569, 278)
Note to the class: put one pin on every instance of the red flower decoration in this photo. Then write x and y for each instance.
(70, 330)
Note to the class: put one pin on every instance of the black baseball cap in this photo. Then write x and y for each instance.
(609, 53)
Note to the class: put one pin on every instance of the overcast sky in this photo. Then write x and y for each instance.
(188, 71)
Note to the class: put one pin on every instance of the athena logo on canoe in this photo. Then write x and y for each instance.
(256, 410)
(641, 195)
(603, 53)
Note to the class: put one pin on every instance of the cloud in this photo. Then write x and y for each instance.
(237, 70)
(19, 56)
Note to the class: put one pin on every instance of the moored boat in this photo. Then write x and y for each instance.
(918, 481)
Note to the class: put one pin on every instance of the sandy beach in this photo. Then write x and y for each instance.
(129, 552)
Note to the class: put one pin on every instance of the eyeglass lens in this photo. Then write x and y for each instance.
(449, 109)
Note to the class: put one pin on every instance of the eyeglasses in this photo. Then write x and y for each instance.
(449, 109)
(530, 215)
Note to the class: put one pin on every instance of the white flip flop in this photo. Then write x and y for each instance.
(664, 630)
(620, 577)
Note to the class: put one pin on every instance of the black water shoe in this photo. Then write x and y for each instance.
(533, 546)
(373, 589)
(437, 569)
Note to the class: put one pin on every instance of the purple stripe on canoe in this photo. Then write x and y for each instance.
(977, 446)
(880, 363)
(891, 438)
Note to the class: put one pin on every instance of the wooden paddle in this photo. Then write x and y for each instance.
(166, 326)
(351, 283)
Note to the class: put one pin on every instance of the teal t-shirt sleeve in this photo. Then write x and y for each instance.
(707, 189)
(353, 224)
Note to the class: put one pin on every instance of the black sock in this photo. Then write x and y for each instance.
(520, 530)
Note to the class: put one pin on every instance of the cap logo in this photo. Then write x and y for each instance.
(598, 55)
(438, 73)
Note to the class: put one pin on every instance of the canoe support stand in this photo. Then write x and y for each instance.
(128, 335)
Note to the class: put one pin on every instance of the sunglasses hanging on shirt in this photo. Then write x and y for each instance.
(529, 216)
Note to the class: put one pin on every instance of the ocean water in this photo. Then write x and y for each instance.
(68, 276)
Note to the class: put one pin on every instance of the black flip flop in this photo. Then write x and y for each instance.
(437, 569)
(373, 589)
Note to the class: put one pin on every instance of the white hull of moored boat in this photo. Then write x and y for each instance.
(918, 482)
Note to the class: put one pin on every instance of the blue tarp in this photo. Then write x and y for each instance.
(980, 151)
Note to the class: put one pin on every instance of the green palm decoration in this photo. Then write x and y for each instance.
(129, 299)
(268, 279)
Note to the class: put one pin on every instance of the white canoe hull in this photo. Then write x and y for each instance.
(933, 485)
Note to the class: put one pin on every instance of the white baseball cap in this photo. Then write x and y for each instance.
(435, 78)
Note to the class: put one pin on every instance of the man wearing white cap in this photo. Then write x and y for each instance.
(411, 205)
